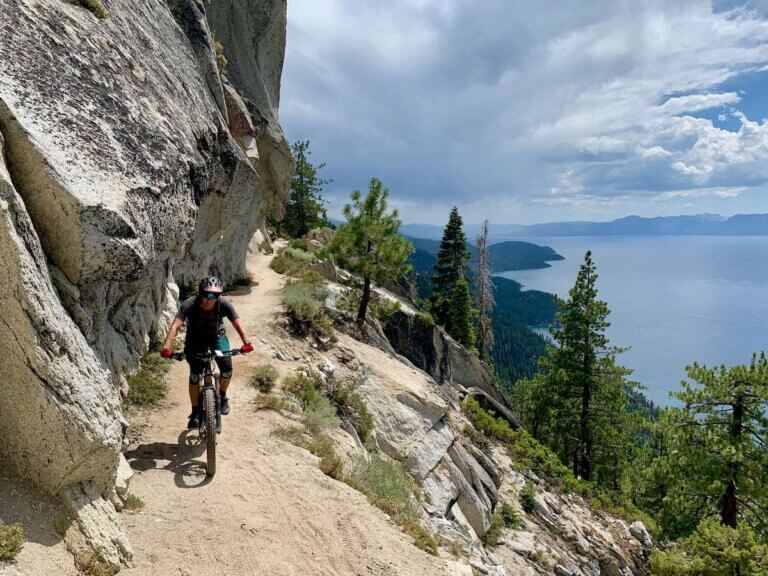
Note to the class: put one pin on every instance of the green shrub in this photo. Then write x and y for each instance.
(264, 378)
(304, 303)
(528, 497)
(477, 438)
(306, 385)
(387, 487)
(271, 402)
(320, 415)
(91, 563)
(299, 244)
(330, 462)
(503, 517)
(385, 484)
(147, 385)
(133, 503)
(299, 255)
(218, 49)
(94, 6)
(425, 318)
(713, 550)
(351, 407)
(12, 538)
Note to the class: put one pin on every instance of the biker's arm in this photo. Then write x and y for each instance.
(172, 331)
(238, 325)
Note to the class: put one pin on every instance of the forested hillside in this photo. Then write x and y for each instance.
(517, 349)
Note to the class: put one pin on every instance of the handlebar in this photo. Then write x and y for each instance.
(209, 354)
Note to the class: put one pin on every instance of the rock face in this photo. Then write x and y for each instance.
(429, 348)
(128, 167)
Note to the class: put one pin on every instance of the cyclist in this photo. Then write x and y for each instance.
(204, 315)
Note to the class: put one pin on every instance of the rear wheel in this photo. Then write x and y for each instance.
(210, 429)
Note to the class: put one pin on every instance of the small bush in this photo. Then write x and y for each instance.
(96, 7)
(305, 385)
(477, 438)
(425, 318)
(133, 503)
(147, 385)
(330, 462)
(12, 538)
(421, 536)
(264, 378)
(218, 49)
(304, 303)
(387, 487)
(320, 415)
(300, 244)
(299, 254)
(528, 497)
(91, 563)
(291, 434)
(351, 407)
(385, 484)
(503, 517)
(275, 403)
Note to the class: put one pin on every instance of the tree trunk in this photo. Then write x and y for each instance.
(729, 511)
(366, 298)
(585, 440)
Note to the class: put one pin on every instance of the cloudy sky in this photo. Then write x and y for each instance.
(532, 111)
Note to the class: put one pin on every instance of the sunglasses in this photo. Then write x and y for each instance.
(211, 295)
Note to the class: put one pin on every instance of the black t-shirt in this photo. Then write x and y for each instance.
(205, 328)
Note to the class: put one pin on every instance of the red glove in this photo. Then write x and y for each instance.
(246, 347)
(166, 352)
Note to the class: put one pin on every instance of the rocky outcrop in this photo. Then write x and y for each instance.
(126, 169)
(429, 348)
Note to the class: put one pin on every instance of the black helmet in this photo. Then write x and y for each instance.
(210, 284)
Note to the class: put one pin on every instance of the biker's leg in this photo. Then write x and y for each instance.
(196, 369)
(225, 369)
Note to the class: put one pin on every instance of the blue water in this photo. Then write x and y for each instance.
(673, 299)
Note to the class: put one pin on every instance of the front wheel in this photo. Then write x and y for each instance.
(210, 428)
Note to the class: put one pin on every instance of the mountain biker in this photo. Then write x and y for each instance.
(204, 315)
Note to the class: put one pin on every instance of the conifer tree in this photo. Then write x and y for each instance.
(369, 243)
(579, 400)
(451, 265)
(306, 208)
(484, 300)
(717, 460)
(459, 324)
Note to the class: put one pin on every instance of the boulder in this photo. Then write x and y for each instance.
(640, 533)
(322, 236)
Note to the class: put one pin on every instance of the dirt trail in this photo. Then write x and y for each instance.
(269, 510)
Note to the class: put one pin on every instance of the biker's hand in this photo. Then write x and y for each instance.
(166, 352)
(246, 347)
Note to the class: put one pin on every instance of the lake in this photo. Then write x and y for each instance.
(673, 299)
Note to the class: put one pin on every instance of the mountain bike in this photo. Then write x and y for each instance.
(209, 401)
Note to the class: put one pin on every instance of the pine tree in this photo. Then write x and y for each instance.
(451, 265)
(369, 243)
(484, 300)
(717, 459)
(579, 400)
(459, 324)
(305, 209)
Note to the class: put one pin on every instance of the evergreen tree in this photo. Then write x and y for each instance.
(305, 209)
(716, 463)
(484, 300)
(459, 324)
(369, 243)
(451, 265)
(578, 402)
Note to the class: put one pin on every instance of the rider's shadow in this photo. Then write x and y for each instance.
(180, 457)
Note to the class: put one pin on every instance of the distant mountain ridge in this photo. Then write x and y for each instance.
(692, 225)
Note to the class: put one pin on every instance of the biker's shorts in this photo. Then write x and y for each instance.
(197, 368)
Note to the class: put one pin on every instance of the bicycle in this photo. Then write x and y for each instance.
(209, 401)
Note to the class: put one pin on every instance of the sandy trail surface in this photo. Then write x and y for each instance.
(269, 509)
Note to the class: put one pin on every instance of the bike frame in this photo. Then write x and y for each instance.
(210, 379)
